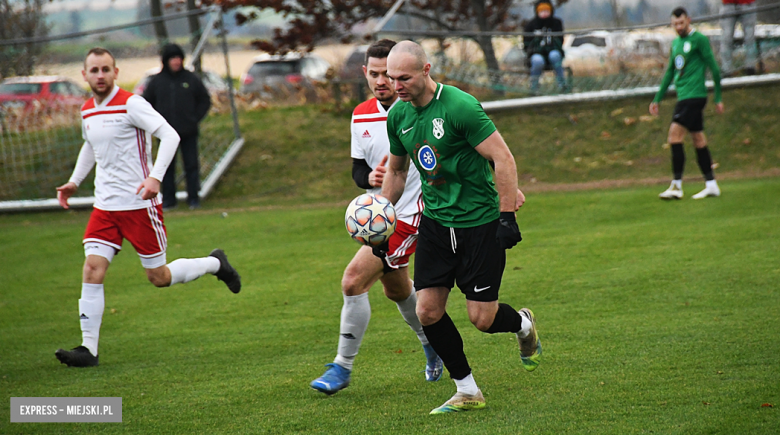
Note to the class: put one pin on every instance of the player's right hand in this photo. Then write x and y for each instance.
(654, 109)
(520, 200)
(508, 234)
(376, 176)
(64, 192)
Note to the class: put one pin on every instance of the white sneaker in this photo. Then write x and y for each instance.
(708, 191)
(673, 192)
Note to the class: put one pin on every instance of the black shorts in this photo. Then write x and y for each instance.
(690, 114)
(469, 256)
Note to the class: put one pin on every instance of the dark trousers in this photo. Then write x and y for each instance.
(188, 148)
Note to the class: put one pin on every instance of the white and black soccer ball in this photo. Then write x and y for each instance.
(370, 219)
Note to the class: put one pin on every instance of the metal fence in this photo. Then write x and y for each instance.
(40, 139)
(39, 143)
(596, 59)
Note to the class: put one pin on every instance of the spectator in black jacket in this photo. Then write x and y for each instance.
(543, 48)
(182, 99)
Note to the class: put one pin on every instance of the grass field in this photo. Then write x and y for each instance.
(302, 153)
(656, 317)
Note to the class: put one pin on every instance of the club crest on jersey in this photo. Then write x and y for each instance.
(427, 158)
(686, 46)
(438, 128)
(679, 61)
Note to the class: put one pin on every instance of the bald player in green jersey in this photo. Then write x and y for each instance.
(690, 57)
(469, 217)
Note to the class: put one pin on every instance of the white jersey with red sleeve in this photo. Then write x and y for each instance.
(119, 130)
(370, 143)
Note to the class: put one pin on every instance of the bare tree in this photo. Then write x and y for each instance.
(21, 20)
(195, 32)
(617, 12)
(313, 21)
(159, 27)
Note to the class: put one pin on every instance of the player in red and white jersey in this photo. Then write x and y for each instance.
(370, 149)
(117, 127)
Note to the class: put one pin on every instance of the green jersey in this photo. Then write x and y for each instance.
(457, 183)
(691, 56)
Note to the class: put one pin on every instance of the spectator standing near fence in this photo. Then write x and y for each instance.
(541, 48)
(744, 13)
(690, 57)
(182, 99)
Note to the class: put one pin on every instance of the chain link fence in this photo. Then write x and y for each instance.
(595, 60)
(40, 120)
(40, 138)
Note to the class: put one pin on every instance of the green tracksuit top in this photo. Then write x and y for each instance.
(690, 57)
(457, 182)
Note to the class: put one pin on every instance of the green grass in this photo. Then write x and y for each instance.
(302, 153)
(656, 317)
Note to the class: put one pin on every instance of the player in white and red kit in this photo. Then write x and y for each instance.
(117, 127)
(370, 149)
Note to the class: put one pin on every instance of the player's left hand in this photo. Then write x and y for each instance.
(150, 188)
(508, 234)
(520, 200)
(720, 108)
(377, 176)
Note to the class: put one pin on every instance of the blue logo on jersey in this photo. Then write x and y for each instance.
(427, 158)
(679, 61)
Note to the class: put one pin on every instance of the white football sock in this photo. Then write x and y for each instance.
(91, 306)
(189, 269)
(677, 183)
(525, 326)
(407, 308)
(467, 385)
(355, 315)
(712, 184)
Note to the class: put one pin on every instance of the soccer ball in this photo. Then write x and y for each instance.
(370, 219)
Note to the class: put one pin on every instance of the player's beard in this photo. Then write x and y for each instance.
(102, 94)
(388, 97)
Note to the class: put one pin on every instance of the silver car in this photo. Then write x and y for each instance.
(290, 75)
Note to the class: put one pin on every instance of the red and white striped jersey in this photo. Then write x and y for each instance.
(119, 130)
(370, 143)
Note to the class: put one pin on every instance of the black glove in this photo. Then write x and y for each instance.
(381, 250)
(507, 234)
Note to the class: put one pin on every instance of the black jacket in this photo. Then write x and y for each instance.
(180, 97)
(541, 44)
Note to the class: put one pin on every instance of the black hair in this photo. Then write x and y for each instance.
(380, 49)
(680, 11)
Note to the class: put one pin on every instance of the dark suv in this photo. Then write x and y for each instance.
(291, 75)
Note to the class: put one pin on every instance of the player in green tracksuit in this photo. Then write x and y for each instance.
(689, 60)
(469, 217)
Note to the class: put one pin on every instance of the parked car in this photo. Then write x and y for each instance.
(277, 76)
(214, 83)
(514, 60)
(22, 94)
(353, 65)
